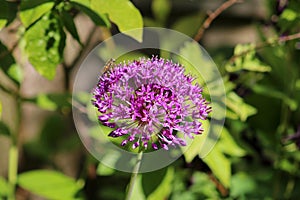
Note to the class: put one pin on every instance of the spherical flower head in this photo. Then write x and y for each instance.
(150, 103)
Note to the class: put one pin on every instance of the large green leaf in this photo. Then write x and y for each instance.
(228, 145)
(197, 144)
(165, 187)
(50, 184)
(123, 13)
(45, 42)
(151, 180)
(84, 6)
(31, 11)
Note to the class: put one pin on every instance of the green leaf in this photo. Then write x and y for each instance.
(4, 187)
(123, 13)
(271, 92)
(228, 145)
(50, 184)
(15, 72)
(8, 65)
(246, 60)
(84, 6)
(289, 15)
(239, 107)
(189, 24)
(4, 130)
(43, 101)
(137, 192)
(68, 22)
(103, 170)
(164, 189)
(202, 180)
(3, 13)
(197, 144)
(45, 42)
(220, 165)
(241, 184)
(151, 180)
(31, 11)
(161, 9)
(8, 12)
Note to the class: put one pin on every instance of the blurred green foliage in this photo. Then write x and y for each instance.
(255, 157)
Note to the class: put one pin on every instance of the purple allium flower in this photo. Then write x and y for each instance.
(149, 101)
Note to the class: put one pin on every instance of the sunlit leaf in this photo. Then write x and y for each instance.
(84, 6)
(44, 102)
(123, 13)
(50, 184)
(289, 15)
(238, 106)
(103, 170)
(16, 73)
(228, 145)
(197, 144)
(45, 42)
(245, 59)
(31, 11)
(220, 165)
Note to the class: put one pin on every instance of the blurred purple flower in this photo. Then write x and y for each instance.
(149, 101)
(295, 137)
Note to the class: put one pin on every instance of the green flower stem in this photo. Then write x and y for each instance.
(134, 176)
(13, 170)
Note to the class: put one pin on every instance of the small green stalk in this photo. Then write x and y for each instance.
(134, 176)
(12, 170)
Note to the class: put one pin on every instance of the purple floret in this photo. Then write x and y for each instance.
(149, 101)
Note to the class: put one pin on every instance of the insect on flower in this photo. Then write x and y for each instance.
(149, 102)
(109, 65)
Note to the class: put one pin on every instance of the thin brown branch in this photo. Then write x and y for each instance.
(212, 16)
(218, 184)
(265, 44)
(9, 51)
(9, 91)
